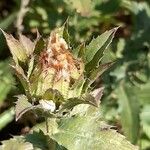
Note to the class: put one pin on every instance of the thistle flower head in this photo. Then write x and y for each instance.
(57, 68)
(58, 58)
(49, 71)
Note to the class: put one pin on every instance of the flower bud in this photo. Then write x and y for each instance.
(56, 69)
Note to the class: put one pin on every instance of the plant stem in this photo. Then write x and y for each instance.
(21, 15)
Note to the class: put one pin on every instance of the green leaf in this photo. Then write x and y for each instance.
(6, 117)
(87, 132)
(34, 141)
(42, 141)
(143, 93)
(95, 74)
(17, 49)
(136, 7)
(146, 129)
(79, 51)
(5, 24)
(52, 126)
(145, 112)
(72, 102)
(8, 21)
(119, 72)
(96, 49)
(97, 95)
(6, 80)
(76, 89)
(53, 94)
(99, 71)
(145, 145)
(92, 98)
(27, 43)
(66, 35)
(38, 139)
(22, 77)
(63, 32)
(145, 120)
(16, 143)
(30, 66)
(22, 106)
(84, 7)
(129, 109)
(39, 44)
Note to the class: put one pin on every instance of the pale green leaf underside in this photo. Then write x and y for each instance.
(17, 49)
(16, 143)
(22, 106)
(87, 132)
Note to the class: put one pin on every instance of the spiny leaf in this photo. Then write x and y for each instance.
(76, 89)
(30, 66)
(38, 139)
(22, 77)
(95, 50)
(98, 72)
(94, 97)
(79, 51)
(40, 134)
(129, 106)
(43, 142)
(63, 32)
(27, 43)
(17, 49)
(71, 102)
(52, 125)
(86, 131)
(97, 94)
(97, 43)
(22, 106)
(66, 35)
(16, 143)
(63, 87)
(39, 44)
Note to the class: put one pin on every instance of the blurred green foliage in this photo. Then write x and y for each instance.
(126, 102)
